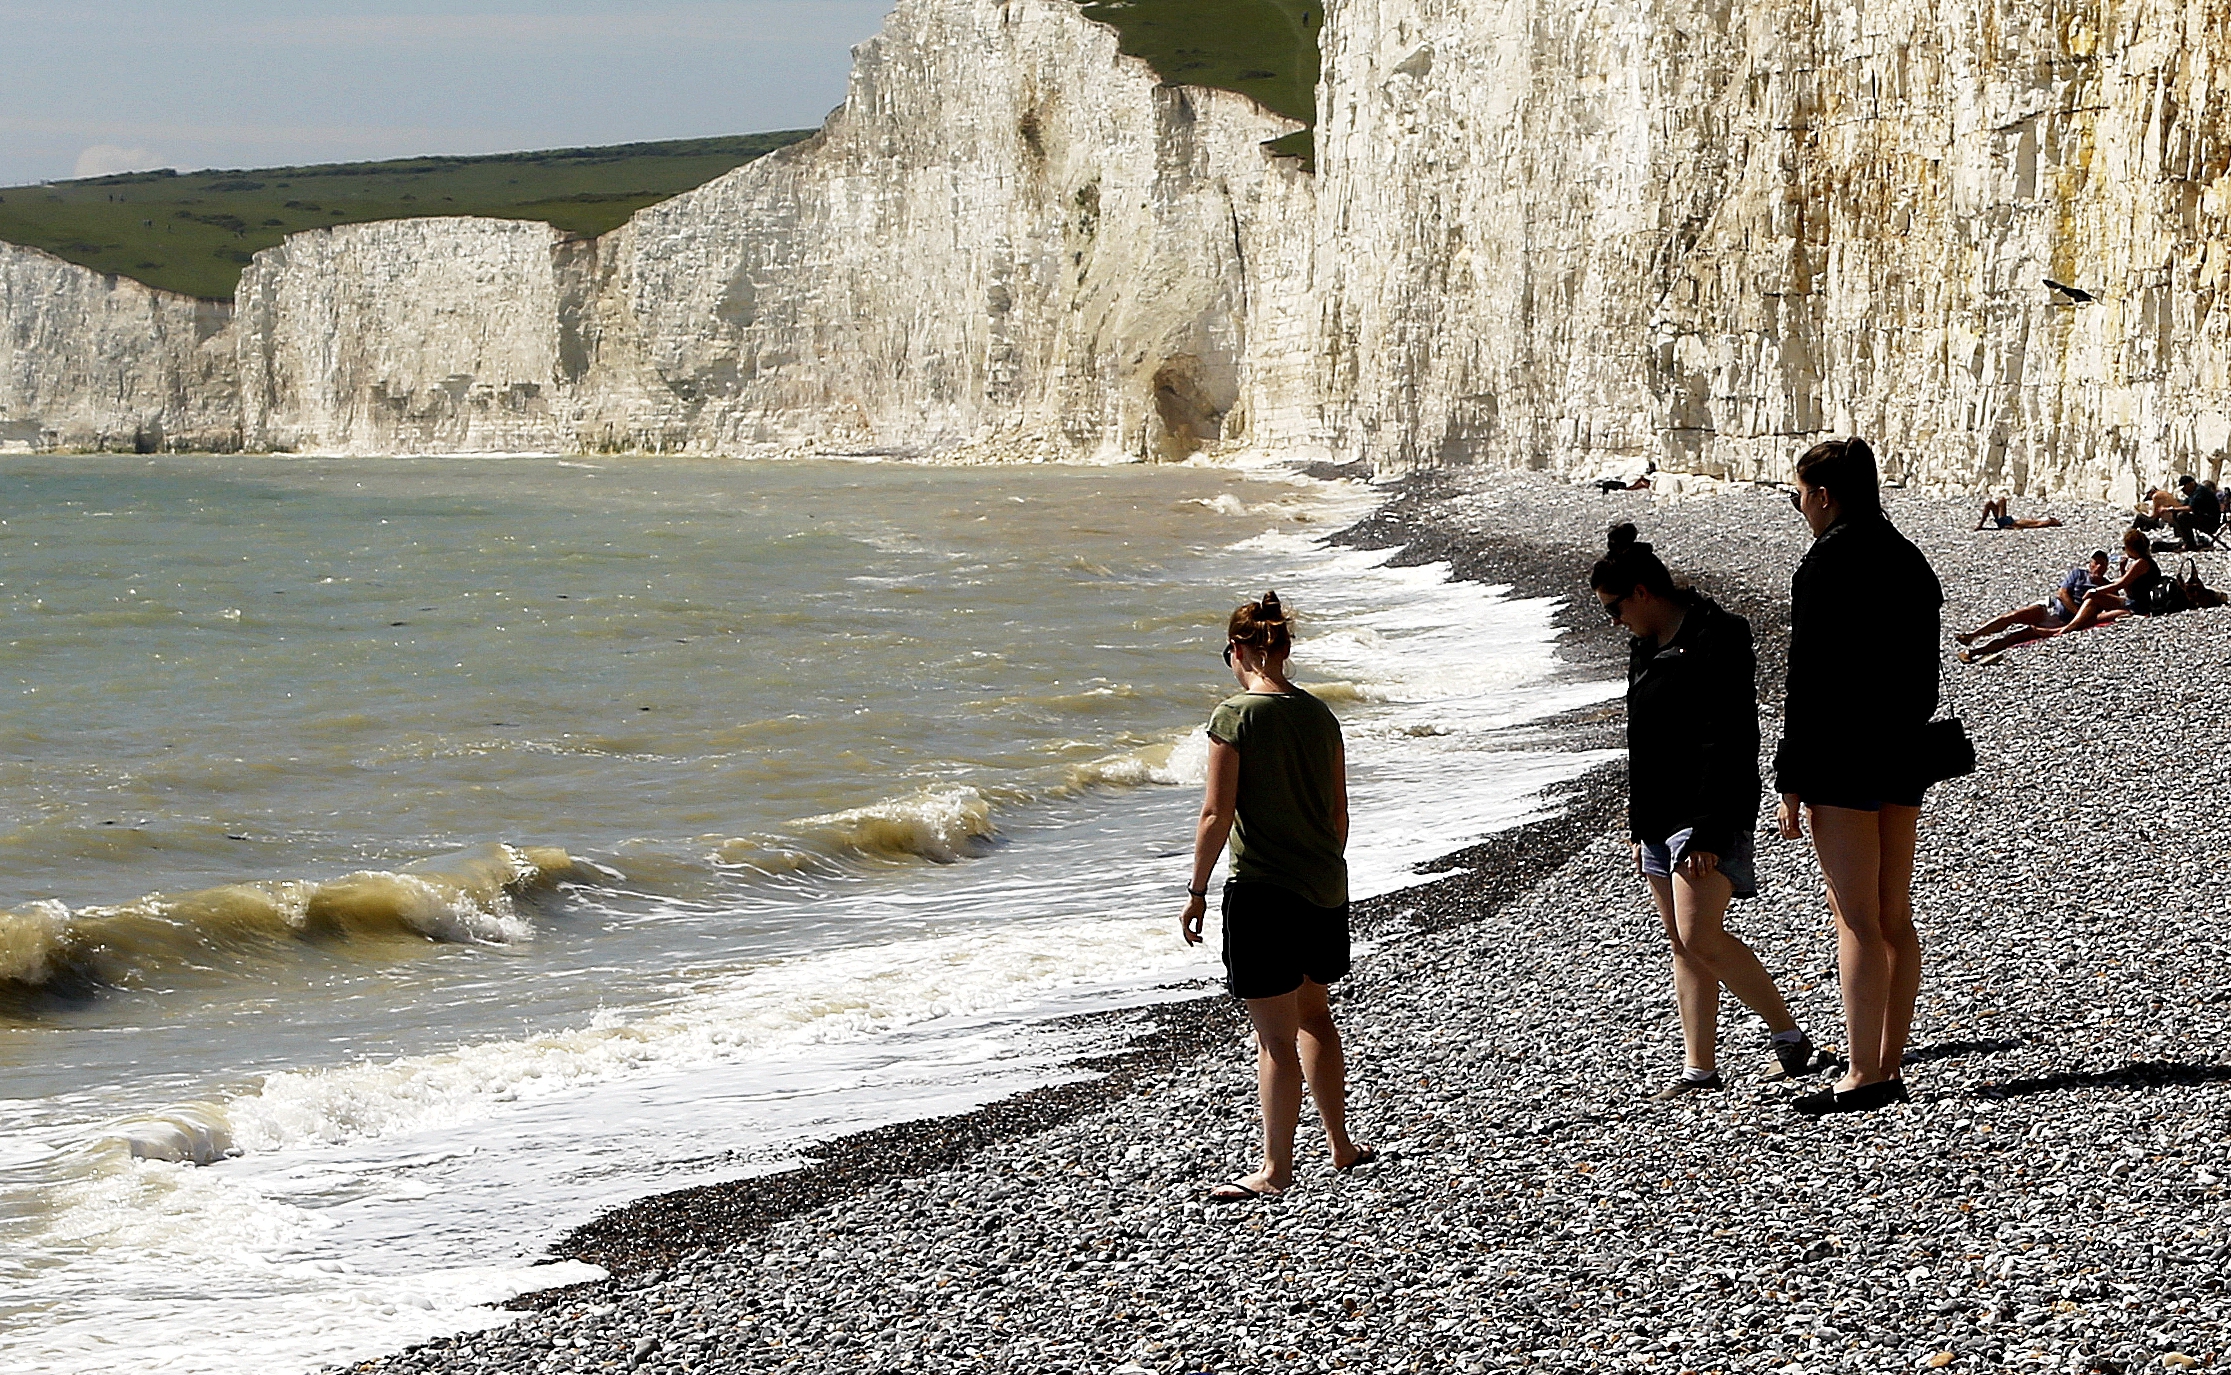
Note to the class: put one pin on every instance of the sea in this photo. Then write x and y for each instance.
(406, 860)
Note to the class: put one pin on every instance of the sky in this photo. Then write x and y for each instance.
(92, 88)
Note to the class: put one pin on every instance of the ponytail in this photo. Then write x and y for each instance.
(1846, 467)
(1628, 564)
(1265, 625)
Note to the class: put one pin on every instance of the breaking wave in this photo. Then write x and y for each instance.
(470, 897)
(941, 825)
(842, 996)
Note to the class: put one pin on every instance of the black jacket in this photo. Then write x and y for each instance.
(1863, 613)
(1692, 731)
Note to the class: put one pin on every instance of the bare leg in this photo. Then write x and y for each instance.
(2012, 638)
(2027, 615)
(1278, 1080)
(1898, 826)
(1705, 956)
(2095, 606)
(1325, 1065)
(1696, 989)
(1849, 843)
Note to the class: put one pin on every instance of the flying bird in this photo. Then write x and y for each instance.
(2075, 294)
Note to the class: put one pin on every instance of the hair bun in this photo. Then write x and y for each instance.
(1273, 610)
(1622, 538)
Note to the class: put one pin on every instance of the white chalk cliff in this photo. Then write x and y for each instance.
(1010, 240)
(1580, 235)
(96, 362)
(1551, 233)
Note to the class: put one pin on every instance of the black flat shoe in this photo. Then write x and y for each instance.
(1819, 1103)
(1866, 1098)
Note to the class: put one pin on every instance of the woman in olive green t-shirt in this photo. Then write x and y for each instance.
(1278, 790)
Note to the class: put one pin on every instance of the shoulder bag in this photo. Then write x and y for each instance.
(1943, 749)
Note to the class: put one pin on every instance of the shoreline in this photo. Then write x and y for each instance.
(646, 1240)
(2036, 1205)
(630, 1240)
(648, 1237)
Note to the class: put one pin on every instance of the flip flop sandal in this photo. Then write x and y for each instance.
(1242, 1191)
(1366, 1155)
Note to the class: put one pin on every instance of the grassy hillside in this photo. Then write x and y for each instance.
(193, 233)
(1263, 48)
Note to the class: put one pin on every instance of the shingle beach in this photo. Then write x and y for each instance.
(2054, 1197)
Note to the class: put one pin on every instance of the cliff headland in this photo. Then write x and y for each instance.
(1538, 235)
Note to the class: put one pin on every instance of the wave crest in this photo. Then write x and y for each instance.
(467, 898)
(31, 937)
(181, 1136)
(941, 825)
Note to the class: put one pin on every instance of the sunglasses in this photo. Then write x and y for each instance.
(1612, 607)
(1796, 501)
(1227, 654)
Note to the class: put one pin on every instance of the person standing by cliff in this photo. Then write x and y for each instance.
(1278, 789)
(1864, 614)
(1692, 797)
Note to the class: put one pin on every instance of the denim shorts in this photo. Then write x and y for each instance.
(1658, 857)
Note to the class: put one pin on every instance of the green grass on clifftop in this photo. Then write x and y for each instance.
(193, 233)
(1263, 48)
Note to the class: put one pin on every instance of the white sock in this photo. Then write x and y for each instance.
(1692, 1075)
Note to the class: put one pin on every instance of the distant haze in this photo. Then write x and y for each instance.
(195, 83)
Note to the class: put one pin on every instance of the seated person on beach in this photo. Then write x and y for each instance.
(2200, 514)
(2108, 602)
(2055, 611)
(2194, 508)
(1995, 517)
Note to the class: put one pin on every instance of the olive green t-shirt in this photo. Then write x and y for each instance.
(1288, 746)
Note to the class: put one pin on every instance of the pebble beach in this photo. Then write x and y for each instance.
(2057, 1196)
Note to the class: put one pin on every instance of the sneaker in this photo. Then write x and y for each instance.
(1683, 1086)
(1796, 1058)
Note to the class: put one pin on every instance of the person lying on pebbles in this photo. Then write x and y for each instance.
(2043, 620)
(1849, 764)
(1278, 789)
(1692, 798)
(1995, 517)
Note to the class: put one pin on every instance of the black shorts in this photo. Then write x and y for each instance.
(1274, 938)
(1866, 803)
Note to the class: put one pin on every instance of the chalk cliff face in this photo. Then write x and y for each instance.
(1558, 233)
(411, 336)
(1570, 234)
(1010, 240)
(89, 361)
(1010, 237)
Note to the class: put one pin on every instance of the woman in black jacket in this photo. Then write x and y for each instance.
(1862, 683)
(1692, 796)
